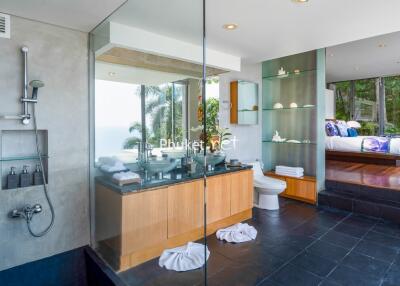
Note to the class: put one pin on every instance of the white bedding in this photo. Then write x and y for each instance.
(354, 144)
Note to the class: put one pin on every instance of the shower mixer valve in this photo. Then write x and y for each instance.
(27, 212)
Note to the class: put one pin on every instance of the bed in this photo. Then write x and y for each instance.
(363, 149)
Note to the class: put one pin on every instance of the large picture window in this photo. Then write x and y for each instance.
(360, 100)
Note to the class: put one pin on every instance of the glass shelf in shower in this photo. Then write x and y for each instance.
(22, 158)
(290, 108)
(289, 143)
(290, 75)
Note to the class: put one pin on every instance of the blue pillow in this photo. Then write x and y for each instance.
(330, 129)
(342, 128)
(352, 132)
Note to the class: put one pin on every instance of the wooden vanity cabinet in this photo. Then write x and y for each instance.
(185, 207)
(241, 197)
(135, 227)
(218, 197)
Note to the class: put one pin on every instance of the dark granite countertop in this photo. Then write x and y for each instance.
(175, 177)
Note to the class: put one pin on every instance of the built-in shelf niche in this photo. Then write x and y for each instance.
(18, 149)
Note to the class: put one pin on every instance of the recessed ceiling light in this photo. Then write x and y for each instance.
(357, 68)
(111, 73)
(300, 1)
(382, 45)
(230, 27)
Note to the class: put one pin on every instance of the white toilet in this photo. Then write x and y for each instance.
(268, 188)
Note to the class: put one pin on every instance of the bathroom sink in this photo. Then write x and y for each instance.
(174, 153)
(157, 166)
(211, 159)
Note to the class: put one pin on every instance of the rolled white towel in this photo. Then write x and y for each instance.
(240, 232)
(184, 258)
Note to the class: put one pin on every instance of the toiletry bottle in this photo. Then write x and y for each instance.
(37, 176)
(12, 179)
(25, 178)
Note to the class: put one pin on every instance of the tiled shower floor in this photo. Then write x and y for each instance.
(297, 245)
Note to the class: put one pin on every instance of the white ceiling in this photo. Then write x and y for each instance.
(267, 28)
(82, 15)
(364, 58)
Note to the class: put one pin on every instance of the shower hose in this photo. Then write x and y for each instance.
(45, 189)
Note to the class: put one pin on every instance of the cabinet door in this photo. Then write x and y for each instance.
(185, 207)
(218, 198)
(301, 188)
(144, 220)
(241, 191)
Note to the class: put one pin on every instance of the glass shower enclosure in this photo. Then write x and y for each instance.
(147, 175)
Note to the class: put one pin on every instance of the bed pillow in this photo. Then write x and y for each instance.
(352, 132)
(330, 129)
(342, 128)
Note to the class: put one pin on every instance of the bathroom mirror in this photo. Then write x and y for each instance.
(244, 102)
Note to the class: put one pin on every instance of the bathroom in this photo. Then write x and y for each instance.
(108, 173)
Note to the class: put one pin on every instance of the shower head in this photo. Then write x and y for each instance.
(36, 84)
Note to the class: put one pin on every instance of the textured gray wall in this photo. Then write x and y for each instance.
(57, 56)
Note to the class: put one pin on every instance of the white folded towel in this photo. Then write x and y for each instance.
(289, 169)
(184, 258)
(298, 175)
(125, 176)
(111, 164)
(240, 232)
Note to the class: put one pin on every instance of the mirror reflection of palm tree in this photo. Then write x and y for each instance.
(163, 109)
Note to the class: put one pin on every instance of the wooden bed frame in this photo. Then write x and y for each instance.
(364, 157)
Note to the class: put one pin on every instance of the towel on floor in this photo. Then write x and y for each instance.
(240, 232)
(184, 258)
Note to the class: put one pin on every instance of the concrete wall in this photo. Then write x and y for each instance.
(248, 146)
(58, 57)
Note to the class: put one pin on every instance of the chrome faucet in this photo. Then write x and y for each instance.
(144, 151)
(27, 212)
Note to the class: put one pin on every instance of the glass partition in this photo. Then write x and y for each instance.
(148, 188)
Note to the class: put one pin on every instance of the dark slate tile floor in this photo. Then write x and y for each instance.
(296, 245)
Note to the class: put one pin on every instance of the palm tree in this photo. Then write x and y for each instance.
(159, 103)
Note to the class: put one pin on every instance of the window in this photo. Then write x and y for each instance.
(392, 105)
(359, 100)
(117, 117)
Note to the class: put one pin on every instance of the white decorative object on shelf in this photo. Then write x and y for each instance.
(278, 105)
(282, 72)
(277, 138)
(293, 105)
(293, 141)
(308, 105)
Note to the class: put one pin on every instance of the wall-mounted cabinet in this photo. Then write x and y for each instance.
(244, 102)
(293, 103)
